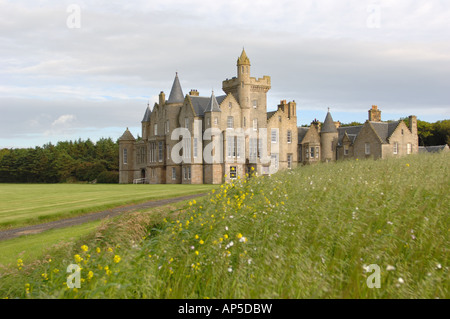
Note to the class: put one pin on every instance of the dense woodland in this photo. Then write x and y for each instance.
(85, 161)
(79, 161)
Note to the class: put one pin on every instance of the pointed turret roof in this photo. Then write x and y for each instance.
(213, 105)
(147, 114)
(127, 136)
(243, 59)
(176, 94)
(328, 125)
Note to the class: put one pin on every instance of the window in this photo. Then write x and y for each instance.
(208, 122)
(274, 158)
(174, 173)
(156, 129)
(230, 122)
(167, 126)
(216, 120)
(238, 147)
(345, 150)
(306, 152)
(168, 152)
(395, 148)
(189, 172)
(186, 122)
(289, 136)
(317, 151)
(255, 104)
(408, 148)
(274, 135)
(195, 146)
(255, 124)
(279, 118)
(233, 173)
(230, 104)
(289, 161)
(185, 172)
(367, 148)
(230, 147)
(160, 151)
(312, 152)
(125, 156)
(187, 148)
(253, 148)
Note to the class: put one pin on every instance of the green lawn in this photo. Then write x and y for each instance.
(32, 247)
(27, 204)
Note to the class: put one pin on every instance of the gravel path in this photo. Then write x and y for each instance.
(35, 229)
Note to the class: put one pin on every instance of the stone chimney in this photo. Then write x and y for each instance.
(162, 98)
(194, 93)
(374, 114)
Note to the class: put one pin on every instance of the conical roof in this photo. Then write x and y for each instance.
(176, 94)
(213, 105)
(328, 125)
(243, 59)
(127, 136)
(147, 114)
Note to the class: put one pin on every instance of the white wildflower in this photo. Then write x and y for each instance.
(400, 280)
(389, 268)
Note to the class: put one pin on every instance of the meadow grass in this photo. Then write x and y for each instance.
(29, 204)
(311, 232)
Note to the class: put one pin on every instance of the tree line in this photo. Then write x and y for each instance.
(77, 161)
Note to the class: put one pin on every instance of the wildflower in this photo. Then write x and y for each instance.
(84, 248)
(196, 252)
(56, 270)
(97, 250)
(439, 266)
(239, 236)
(230, 269)
(196, 236)
(407, 165)
(194, 202)
(78, 258)
(116, 258)
(110, 249)
(400, 280)
(243, 240)
(19, 263)
(90, 275)
(225, 236)
(201, 242)
(389, 268)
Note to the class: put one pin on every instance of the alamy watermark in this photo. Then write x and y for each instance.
(74, 19)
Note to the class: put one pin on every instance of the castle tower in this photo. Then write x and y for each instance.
(146, 122)
(328, 139)
(243, 72)
(126, 157)
(176, 94)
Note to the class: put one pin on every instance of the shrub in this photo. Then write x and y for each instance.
(108, 177)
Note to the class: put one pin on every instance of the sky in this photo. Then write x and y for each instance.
(88, 69)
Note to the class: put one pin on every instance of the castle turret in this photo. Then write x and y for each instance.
(243, 72)
(328, 139)
(176, 94)
(146, 122)
(126, 156)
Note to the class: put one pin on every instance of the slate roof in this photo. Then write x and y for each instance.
(176, 94)
(432, 149)
(270, 114)
(213, 105)
(201, 103)
(385, 129)
(301, 133)
(147, 114)
(352, 132)
(127, 136)
(328, 125)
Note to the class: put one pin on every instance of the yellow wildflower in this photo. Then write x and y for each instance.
(116, 258)
(84, 248)
(90, 275)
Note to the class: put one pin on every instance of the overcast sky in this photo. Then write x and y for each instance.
(87, 69)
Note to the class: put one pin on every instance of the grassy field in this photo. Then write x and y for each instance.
(27, 204)
(307, 233)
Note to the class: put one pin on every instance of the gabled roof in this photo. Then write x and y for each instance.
(200, 103)
(352, 132)
(127, 136)
(328, 125)
(384, 129)
(301, 133)
(147, 114)
(176, 94)
(213, 105)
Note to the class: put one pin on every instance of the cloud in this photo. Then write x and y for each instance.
(320, 53)
(64, 119)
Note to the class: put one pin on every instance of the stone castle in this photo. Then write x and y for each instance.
(271, 141)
